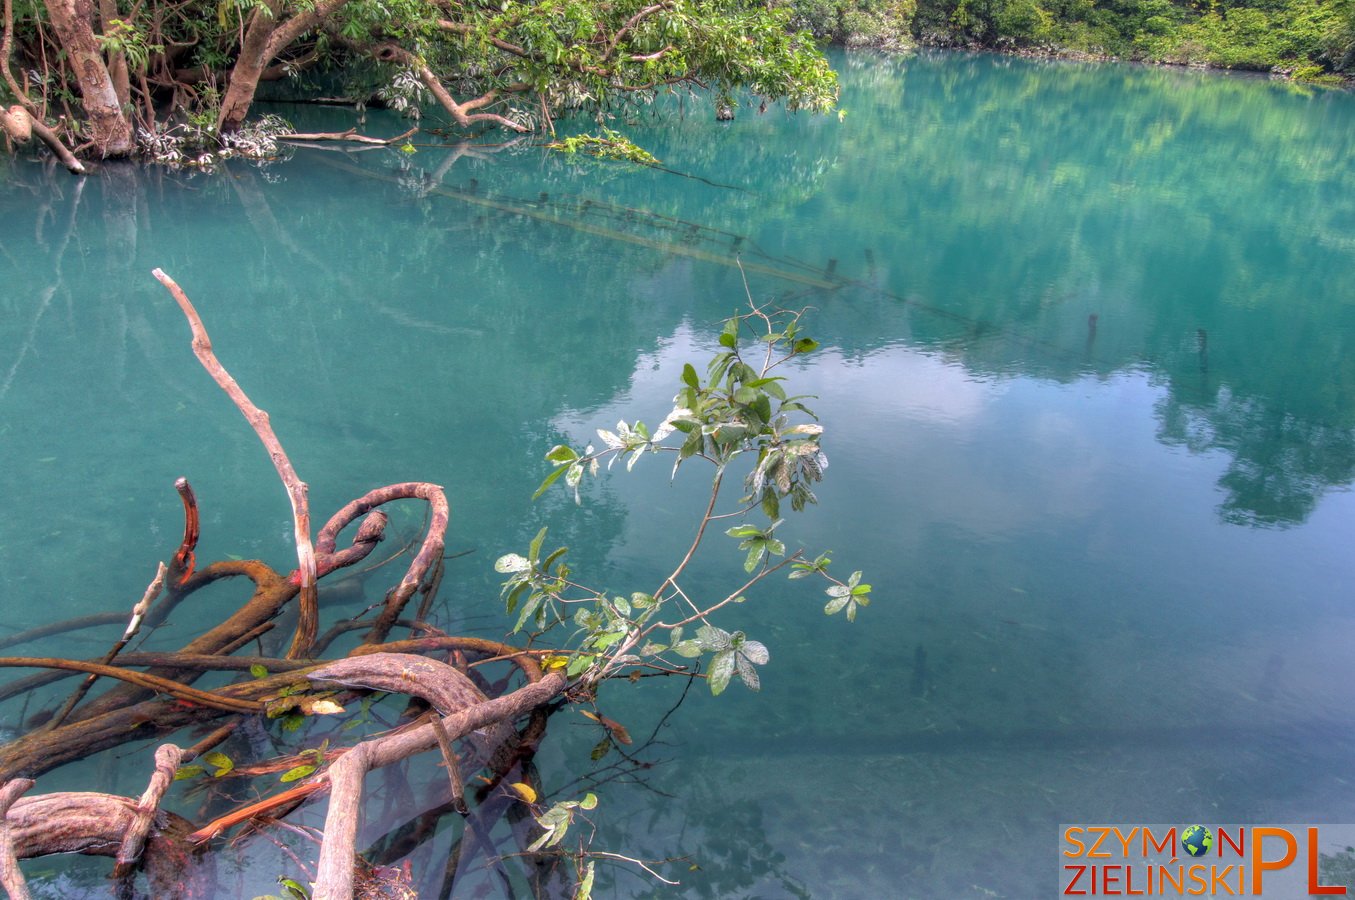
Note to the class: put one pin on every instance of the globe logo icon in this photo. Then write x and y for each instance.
(1197, 840)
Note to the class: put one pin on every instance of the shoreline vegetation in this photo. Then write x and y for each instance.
(176, 83)
(1310, 41)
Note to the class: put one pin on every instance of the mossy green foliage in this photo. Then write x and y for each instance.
(1311, 39)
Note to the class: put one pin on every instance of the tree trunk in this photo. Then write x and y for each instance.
(249, 66)
(108, 125)
(265, 37)
(117, 61)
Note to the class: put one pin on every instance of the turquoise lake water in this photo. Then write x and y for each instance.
(1088, 382)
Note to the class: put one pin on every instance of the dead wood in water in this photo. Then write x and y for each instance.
(153, 696)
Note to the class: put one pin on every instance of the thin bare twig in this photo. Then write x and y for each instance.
(133, 626)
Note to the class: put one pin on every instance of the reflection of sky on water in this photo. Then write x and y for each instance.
(1062, 624)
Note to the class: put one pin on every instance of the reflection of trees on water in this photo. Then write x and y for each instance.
(1058, 220)
(1119, 184)
(1280, 465)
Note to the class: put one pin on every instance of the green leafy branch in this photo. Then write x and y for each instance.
(610, 145)
(739, 409)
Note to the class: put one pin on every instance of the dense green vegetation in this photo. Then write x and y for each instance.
(1307, 38)
(117, 76)
(177, 80)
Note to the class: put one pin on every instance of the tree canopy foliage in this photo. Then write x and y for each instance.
(105, 76)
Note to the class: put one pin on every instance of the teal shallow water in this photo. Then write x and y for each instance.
(1090, 407)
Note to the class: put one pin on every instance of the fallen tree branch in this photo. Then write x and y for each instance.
(129, 852)
(309, 618)
(141, 679)
(95, 824)
(11, 879)
(351, 136)
(429, 552)
(19, 124)
(393, 672)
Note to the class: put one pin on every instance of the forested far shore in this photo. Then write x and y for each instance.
(175, 80)
(1309, 40)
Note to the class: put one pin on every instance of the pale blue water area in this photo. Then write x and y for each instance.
(1089, 390)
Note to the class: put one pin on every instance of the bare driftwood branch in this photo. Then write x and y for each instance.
(95, 824)
(11, 879)
(181, 566)
(129, 853)
(309, 619)
(141, 679)
(429, 553)
(139, 834)
(351, 136)
(397, 672)
(20, 125)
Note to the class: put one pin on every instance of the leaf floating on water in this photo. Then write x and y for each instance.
(524, 790)
(222, 763)
(297, 773)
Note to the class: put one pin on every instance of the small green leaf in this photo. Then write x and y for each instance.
(293, 889)
(297, 773)
(603, 641)
(580, 662)
(259, 670)
(601, 749)
(690, 649)
(689, 376)
(747, 674)
(561, 454)
(804, 345)
(220, 761)
(713, 638)
(589, 801)
(721, 669)
(534, 551)
(532, 605)
(585, 889)
(185, 772)
(549, 480)
(836, 604)
(755, 651)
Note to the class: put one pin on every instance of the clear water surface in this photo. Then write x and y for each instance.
(1088, 378)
